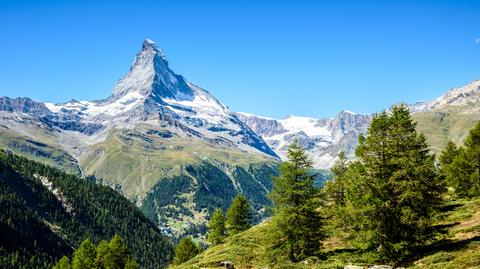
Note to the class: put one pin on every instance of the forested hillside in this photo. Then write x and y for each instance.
(47, 213)
(395, 205)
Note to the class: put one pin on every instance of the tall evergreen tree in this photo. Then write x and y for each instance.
(63, 263)
(448, 154)
(117, 254)
(446, 159)
(296, 224)
(239, 215)
(216, 227)
(336, 189)
(463, 173)
(185, 251)
(396, 190)
(112, 255)
(84, 256)
(102, 251)
(472, 155)
(335, 192)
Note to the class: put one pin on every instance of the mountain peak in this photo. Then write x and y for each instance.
(149, 45)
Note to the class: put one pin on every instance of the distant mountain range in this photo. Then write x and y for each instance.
(322, 138)
(448, 117)
(178, 152)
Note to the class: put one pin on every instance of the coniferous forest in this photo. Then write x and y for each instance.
(47, 214)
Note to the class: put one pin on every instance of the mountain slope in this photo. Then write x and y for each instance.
(457, 248)
(448, 117)
(155, 126)
(46, 213)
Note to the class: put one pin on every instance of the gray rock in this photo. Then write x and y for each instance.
(353, 267)
(227, 264)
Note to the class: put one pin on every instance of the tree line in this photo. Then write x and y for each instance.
(239, 217)
(38, 229)
(106, 255)
(384, 201)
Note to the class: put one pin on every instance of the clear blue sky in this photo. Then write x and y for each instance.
(273, 58)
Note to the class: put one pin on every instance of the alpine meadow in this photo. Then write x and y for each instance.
(108, 165)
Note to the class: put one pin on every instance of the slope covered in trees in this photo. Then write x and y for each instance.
(47, 213)
(389, 206)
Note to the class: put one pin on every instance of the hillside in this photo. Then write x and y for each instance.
(47, 213)
(458, 248)
(447, 124)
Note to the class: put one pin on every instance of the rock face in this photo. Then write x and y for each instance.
(467, 95)
(23, 105)
(322, 138)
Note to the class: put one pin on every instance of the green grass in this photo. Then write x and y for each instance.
(41, 150)
(450, 123)
(458, 248)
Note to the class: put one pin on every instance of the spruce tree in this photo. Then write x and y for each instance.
(63, 263)
(216, 227)
(448, 154)
(185, 251)
(112, 255)
(102, 251)
(472, 156)
(395, 192)
(296, 225)
(463, 173)
(336, 189)
(239, 215)
(335, 192)
(84, 256)
(447, 168)
(117, 255)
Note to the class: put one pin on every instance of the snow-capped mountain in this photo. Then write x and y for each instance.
(162, 141)
(465, 95)
(325, 138)
(151, 91)
(322, 138)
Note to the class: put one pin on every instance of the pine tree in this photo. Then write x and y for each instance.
(395, 191)
(335, 192)
(239, 215)
(117, 254)
(63, 263)
(296, 225)
(112, 255)
(461, 167)
(336, 189)
(472, 155)
(84, 256)
(185, 251)
(216, 227)
(448, 154)
(446, 159)
(102, 251)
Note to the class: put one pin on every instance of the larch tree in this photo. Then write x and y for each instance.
(395, 191)
(296, 224)
(239, 215)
